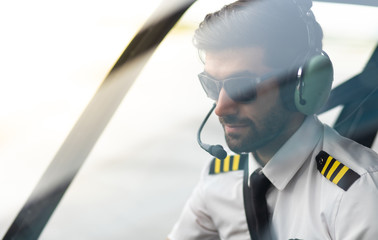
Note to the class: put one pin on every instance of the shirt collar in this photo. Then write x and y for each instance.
(291, 156)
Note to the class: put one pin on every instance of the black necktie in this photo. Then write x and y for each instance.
(259, 185)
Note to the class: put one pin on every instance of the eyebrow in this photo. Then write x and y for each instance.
(244, 73)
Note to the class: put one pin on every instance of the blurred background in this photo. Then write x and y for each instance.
(54, 56)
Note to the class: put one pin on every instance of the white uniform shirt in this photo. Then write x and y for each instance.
(303, 203)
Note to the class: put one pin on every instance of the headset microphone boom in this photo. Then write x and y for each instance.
(214, 150)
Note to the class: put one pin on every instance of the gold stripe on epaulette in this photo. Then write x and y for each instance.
(230, 163)
(226, 164)
(335, 171)
(340, 175)
(217, 165)
(235, 164)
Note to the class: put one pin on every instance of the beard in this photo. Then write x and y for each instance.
(256, 134)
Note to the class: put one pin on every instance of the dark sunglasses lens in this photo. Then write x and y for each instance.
(241, 89)
(210, 86)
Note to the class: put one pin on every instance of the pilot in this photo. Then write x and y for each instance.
(286, 175)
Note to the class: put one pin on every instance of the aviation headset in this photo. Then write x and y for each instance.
(314, 77)
(309, 85)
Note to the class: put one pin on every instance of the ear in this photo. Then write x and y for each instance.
(314, 85)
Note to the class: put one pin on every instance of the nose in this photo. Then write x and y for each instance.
(225, 105)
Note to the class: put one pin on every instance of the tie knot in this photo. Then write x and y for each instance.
(259, 182)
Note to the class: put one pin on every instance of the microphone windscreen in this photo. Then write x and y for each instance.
(218, 152)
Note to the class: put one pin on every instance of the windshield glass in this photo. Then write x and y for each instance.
(137, 178)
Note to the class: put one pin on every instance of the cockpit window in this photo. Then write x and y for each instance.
(144, 165)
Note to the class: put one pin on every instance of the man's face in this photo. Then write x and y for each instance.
(247, 126)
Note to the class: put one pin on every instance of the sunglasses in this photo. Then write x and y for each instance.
(240, 88)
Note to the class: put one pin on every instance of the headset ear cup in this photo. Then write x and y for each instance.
(316, 80)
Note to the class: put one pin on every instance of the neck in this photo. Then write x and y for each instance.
(265, 153)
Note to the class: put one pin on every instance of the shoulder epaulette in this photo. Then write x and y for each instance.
(335, 171)
(230, 163)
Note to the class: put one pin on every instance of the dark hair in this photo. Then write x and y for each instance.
(279, 26)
